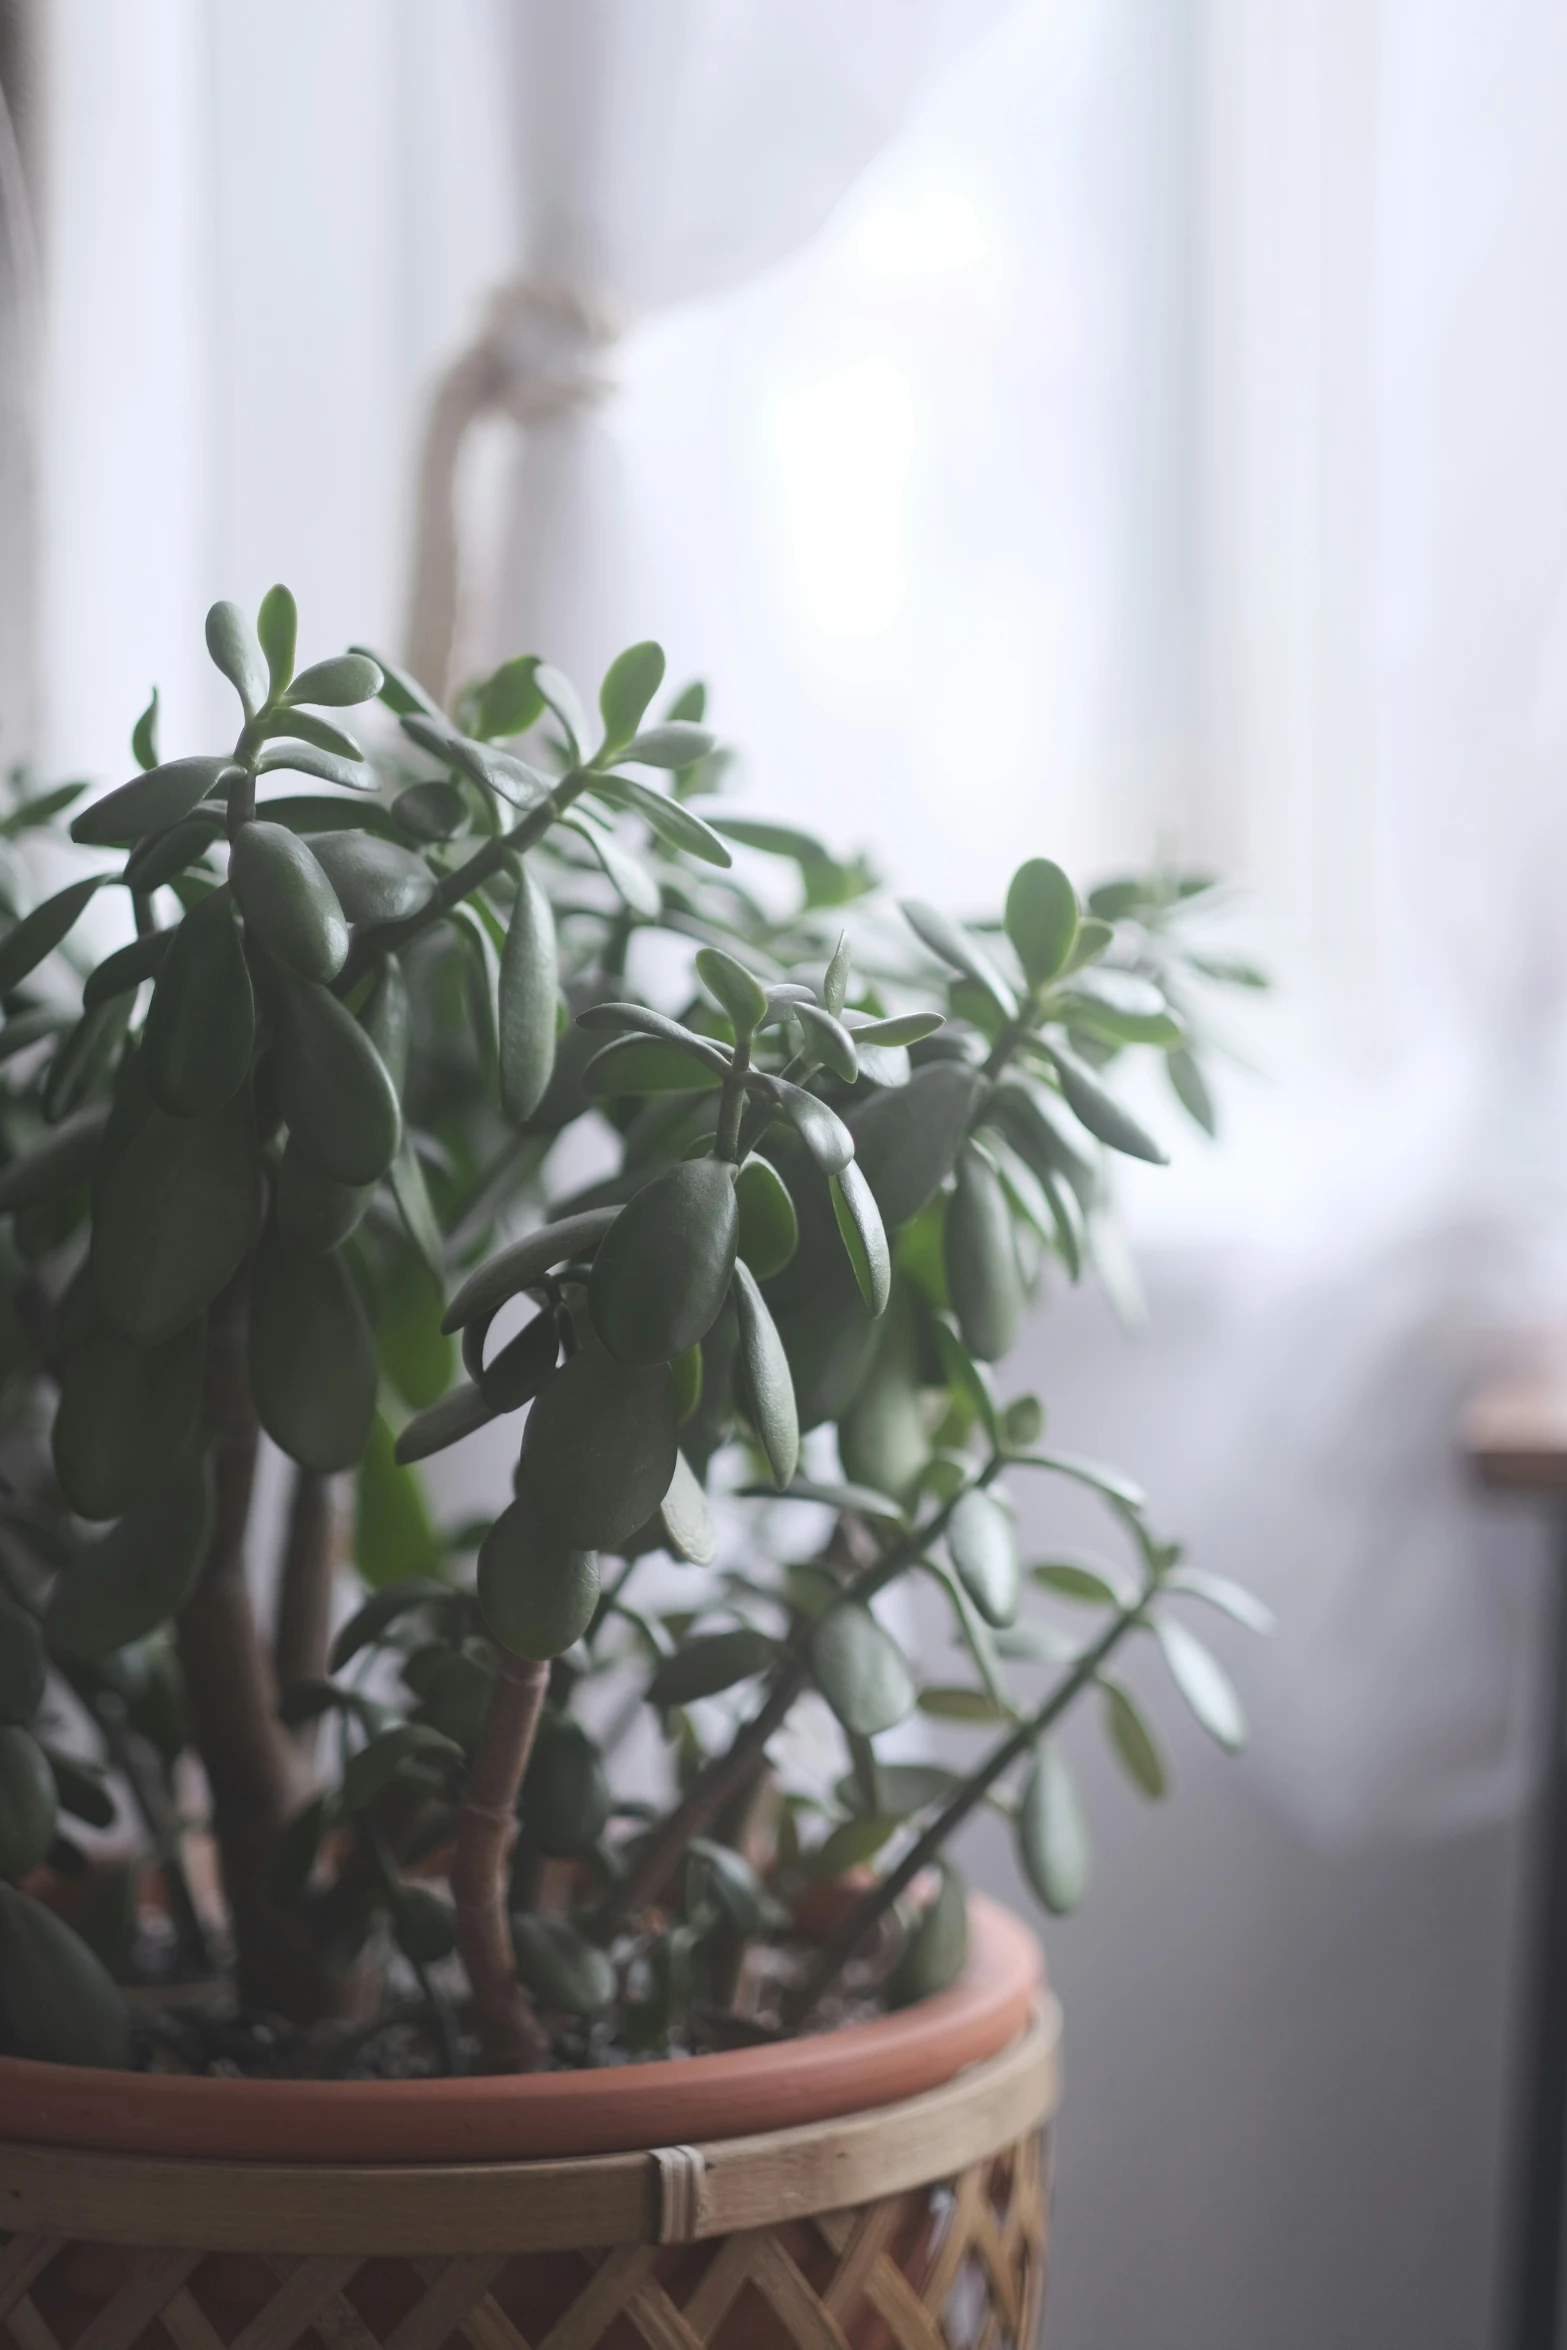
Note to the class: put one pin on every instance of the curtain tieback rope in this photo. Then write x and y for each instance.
(538, 355)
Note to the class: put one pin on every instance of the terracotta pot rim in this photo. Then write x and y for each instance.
(501, 2118)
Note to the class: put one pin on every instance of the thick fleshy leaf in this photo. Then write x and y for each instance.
(387, 1019)
(126, 1414)
(538, 1592)
(398, 690)
(566, 703)
(58, 2004)
(566, 1796)
(527, 998)
(687, 1521)
(710, 1663)
(85, 1058)
(338, 683)
(769, 1385)
(1133, 1743)
(674, 744)
(730, 984)
(232, 643)
(1231, 1599)
(525, 1263)
(982, 1543)
(21, 1663)
(630, 682)
(296, 755)
(955, 947)
(201, 1026)
(431, 811)
(1052, 1834)
(769, 1226)
(1191, 1089)
(774, 840)
(936, 1948)
(1041, 919)
(828, 1041)
(336, 1092)
(508, 701)
(864, 1235)
(394, 1538)
(1204, 1684)
(563, 1970)
(307, 726)
(149, 803)
(286, 898)
(414, 1204)
(38, 934)
(314, 1213)
(164, 856)
(140, 1574)
(630, 880)
(277, 631)
(663, 1268)
(1094, 1107)
(599, 1448)
(883, 1441)
(312, 1359)
(517, 1373)
(374, 880)
(645, 1064)
(906, 1142)
(127, 967)
(456, 1415)
(822, 1131)
(28, 1807)
(174, 1217)
(56, 1167)
(980, 1258)
(670, 820)
(861, 1671)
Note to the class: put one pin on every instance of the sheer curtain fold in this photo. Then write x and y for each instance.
(660, 157)
(1413, 635)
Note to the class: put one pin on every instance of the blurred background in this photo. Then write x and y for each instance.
(1111, 429)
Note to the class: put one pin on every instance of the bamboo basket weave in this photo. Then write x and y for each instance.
(920, 2226)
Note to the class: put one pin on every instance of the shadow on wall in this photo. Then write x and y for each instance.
(1285, 2068)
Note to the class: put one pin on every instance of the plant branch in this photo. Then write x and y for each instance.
(303, 1634)
(232, 1695)
(486, 1828)
(728, 1776)
(867, 1913)
(389, 937)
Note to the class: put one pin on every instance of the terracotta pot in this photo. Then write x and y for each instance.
(810, 2192)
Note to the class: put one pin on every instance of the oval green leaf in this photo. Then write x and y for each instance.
(861, 1671)
(312, 1359)
(174, 1217)
(980, 1258)
(538, 1591)
(527, 999)
(663, 1268)
(140, 1574)
(598, 1452)
(335, 1090)
(201, 1026)
(286, 898)
(126, 1414)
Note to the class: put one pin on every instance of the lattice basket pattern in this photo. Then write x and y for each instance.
(958, 2266)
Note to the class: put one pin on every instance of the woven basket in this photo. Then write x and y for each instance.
(919, 2226)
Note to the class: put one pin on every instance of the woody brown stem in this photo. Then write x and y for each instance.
(304, 1605)
(487, 1825)
(231, 1693)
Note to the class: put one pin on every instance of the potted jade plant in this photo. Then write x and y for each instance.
(488, 1082)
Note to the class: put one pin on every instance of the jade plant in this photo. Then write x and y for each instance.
(462, 1086)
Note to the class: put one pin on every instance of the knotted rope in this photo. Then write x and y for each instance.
(538, 355)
